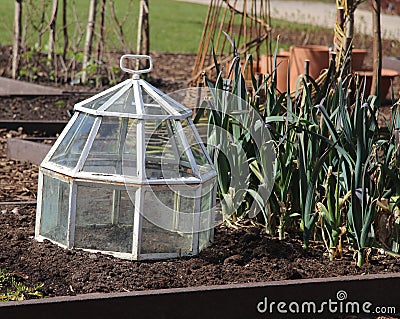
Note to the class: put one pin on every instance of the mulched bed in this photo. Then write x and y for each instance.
(18, 180)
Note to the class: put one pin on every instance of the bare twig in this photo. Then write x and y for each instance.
(41, 24)
(118, 30)
(224, 60)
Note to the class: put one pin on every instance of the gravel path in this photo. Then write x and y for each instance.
(323, 14)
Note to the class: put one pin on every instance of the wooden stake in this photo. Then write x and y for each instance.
(52, 33)
(17, 37)
(143, 35)
(65, 30)
(377, 49)
(87, 52)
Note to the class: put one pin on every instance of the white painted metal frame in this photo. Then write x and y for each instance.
(115, 97)
(71, 214)
(102, 94)
(196, 221)
(214, 200)
(141, 171)
(188, 151)
(159, 99)
(130, 115)
(39, 210)
(88, 145)
(200, 142)
(152, 91)
(129, 180)
(39, 204)
(187, 112)
(138, 184)
(61, 137)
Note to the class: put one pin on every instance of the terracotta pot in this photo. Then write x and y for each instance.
(358, 56)
(387, 76)
(282, 60)
(245, 71)
(318, 56)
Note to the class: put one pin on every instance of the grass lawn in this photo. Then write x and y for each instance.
(175, 26)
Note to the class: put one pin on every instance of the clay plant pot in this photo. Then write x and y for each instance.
(282, 61)
(358, 56)
(318, 55)
(387, 76)
(245, 70)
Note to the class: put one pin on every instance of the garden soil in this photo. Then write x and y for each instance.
(239, 255)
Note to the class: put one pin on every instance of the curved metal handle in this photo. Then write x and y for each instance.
(136, 57)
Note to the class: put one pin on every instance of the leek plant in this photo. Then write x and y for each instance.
(283, 202)
(352, 126)
(239, 143)
(334, 168)
(387, 158)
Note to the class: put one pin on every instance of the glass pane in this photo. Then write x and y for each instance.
(70, 149)
(174, 104)
(189, 98)
(165, 155)
(151, 107)
(97, 103)
(168, 222)
(104, 218)
(110, 144)
(129, 154)
(54, 218)
(124, 104)
(206, 214)
(203, 165)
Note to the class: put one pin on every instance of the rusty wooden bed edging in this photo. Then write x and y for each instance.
(225, 301)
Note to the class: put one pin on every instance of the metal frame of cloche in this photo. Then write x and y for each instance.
(129, 176)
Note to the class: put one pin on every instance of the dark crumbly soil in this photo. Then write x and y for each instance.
(238, 256)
